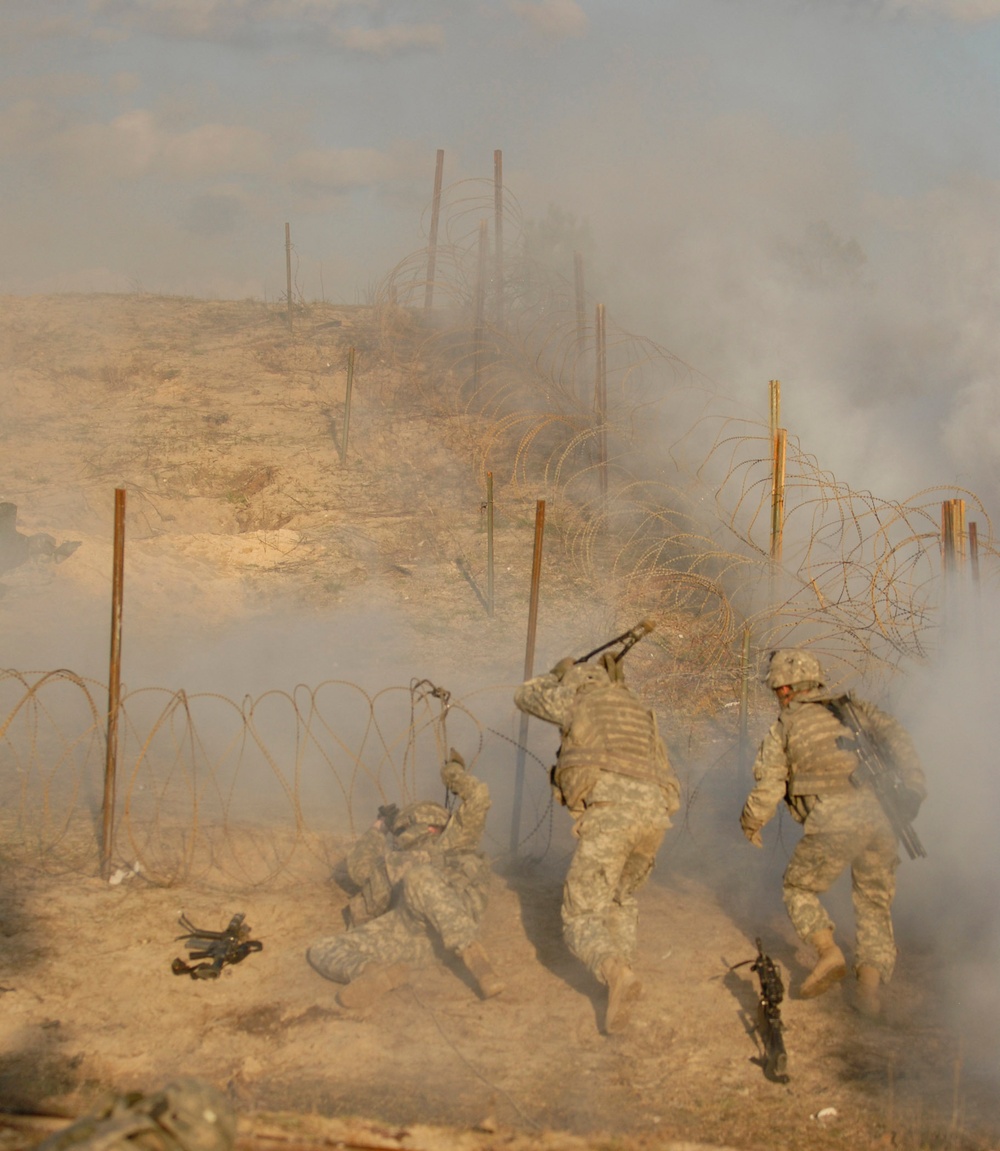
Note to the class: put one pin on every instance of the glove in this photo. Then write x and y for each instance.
(453, 770)
(387, 815)
(563, 666)
(908, 801)
(751, 828)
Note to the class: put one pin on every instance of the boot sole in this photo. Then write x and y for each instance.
(823, 984)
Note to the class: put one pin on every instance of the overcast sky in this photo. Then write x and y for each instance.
(795, 189)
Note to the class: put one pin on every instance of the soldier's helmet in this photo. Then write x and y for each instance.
(418, 824)
(793, 667)
(586, 676)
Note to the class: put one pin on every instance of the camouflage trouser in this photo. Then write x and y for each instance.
(619, 835)
(847, 831)
(431, 902)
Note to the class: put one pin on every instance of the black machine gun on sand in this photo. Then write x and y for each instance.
(883, 777)
(232, 945)
(769, 1025)
(628, 640)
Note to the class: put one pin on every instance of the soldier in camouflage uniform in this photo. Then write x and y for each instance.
(613, 774)
(422, 880)
(188, 1114)
(801, 762)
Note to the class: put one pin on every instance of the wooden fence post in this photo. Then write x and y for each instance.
(433, 239)
(498, 234)
(114, 686)
(288, 271)
(601, 398)
(778, 495)
(480, 302)
(347, 404)
(743, 758)
(489, 543)
(581, 317)
(529, 663)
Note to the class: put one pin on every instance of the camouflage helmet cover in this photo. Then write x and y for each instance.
(418, 822)
(586, 676)
(792, 666)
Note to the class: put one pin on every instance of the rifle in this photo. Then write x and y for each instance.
(882, 776)
(230, 946)
(628, 640)
(769, 1025)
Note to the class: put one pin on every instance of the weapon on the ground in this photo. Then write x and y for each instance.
(219, 947)
(877, 770)
(628, 639)
(769, 1025)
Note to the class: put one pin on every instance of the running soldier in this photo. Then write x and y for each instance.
(422, 878)
(613, 774)
(807, 760)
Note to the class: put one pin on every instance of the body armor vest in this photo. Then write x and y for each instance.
(818, 765)
(612, 731)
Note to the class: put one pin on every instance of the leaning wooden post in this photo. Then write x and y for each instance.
(114, 685)
(489, 543)
(529, 663)
(744, 702)
(347, 404)
(498, 232)
(288, 271)
(601, 399)
(433, 239)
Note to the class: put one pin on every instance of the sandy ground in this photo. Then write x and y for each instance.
(90, 1002)
(223, 428)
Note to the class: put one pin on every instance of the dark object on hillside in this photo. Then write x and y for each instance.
(16, 548)
(187, 1115)
(769, 1025)
(219, 947)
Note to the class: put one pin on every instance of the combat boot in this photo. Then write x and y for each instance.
(830, 968)
(477, 963)
(376, 980)
(868, 1000)
(624, 989)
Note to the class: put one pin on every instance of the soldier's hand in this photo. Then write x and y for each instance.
(751, 829)
(563, 666)
(387, 816)
(453, 771)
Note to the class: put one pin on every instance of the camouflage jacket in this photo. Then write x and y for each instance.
(800, 759)
(605, 727)
(377, 865)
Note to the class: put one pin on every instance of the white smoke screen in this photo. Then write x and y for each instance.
(951, 899)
